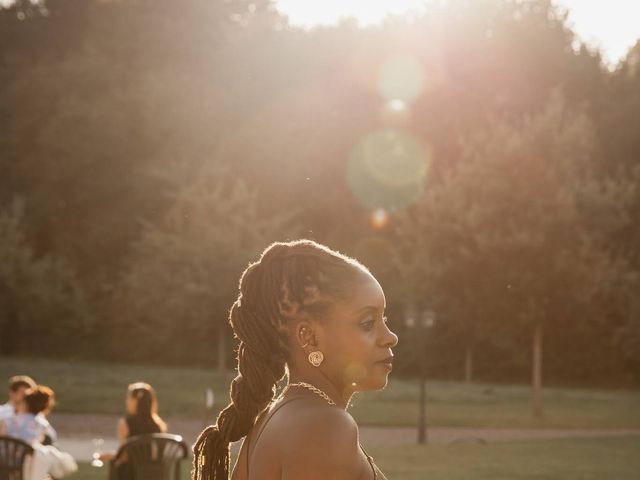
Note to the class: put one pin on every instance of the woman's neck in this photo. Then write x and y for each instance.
(339, 394)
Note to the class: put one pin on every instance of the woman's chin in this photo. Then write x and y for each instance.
(377, 382)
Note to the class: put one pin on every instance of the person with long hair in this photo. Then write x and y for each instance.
(141, 417)
(142, 413)
(316, 315)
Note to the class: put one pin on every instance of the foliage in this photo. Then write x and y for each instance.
(183, 275)
(42, 307)
(506, 240)
(111, 110)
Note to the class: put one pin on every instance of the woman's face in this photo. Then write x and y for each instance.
(355, 338)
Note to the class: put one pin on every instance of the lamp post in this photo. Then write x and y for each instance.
(421, 325)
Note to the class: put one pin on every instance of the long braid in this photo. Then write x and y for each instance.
(287, 274)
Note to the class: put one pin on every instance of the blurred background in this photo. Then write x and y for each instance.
(482, 157)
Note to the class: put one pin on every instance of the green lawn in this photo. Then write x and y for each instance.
(87, 472)
(582, 459)
(574, 459)
(100, 388)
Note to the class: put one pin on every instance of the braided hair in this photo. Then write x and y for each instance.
(289, 279)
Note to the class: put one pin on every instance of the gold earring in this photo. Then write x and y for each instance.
(316, 358)
(302, 346)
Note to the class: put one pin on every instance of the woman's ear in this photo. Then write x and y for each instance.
(305, 335)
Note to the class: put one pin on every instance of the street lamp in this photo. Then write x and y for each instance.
(421, 323)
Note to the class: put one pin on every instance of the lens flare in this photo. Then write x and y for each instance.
(395, 114)
(400, 79)
(397, 105)
(387, 169)
(379, 218)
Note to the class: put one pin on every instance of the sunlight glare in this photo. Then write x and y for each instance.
(309, 14)
(387, 169)
(397, 105)
(609, 25)
(379, 218)
(400, 80)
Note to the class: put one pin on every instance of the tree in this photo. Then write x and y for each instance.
(616, 119)
(42, 309)
(184, 270)
(503, 239)
(98, 95)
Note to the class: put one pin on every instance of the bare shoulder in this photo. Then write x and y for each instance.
(323, 442)
(123, 430)
(326, 420)
(122, 423)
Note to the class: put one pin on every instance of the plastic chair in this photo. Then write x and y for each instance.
(13, 453)
(155, 456)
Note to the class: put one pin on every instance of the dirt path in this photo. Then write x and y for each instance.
(77, 430)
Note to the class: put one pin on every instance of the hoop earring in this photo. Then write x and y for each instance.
(316, 358)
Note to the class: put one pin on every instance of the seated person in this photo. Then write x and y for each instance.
(17, 387)
(142, 413)
(141, 418)
(28, 423)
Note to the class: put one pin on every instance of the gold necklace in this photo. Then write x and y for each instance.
(313, 388)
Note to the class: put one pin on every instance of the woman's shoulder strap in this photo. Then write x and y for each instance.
(268, 414)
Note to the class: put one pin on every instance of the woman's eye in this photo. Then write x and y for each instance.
(368, 325)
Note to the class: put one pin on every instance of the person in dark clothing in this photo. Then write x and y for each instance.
(142, 413)
(141, 417)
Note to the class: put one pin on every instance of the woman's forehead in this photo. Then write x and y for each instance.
(367, 293)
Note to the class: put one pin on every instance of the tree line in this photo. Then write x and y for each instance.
(481, 160)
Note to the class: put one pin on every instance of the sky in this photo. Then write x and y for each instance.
(612, 25)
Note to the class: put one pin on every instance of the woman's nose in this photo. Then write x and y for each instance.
(389, 339)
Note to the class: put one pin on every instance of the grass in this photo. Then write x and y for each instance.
(484, 405)
(92, 387)
(569, 459)
(87, 472)
(100, 387)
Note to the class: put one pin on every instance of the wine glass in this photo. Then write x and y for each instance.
(97, 451)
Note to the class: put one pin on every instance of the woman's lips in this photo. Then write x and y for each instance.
(386, 363)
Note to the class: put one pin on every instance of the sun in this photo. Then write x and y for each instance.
(312, 13)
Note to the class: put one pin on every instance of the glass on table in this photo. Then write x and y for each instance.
(97, 452)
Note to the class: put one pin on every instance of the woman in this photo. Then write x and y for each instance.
(141, 407)
(317, 315)
(28, 423)
(142, 413)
